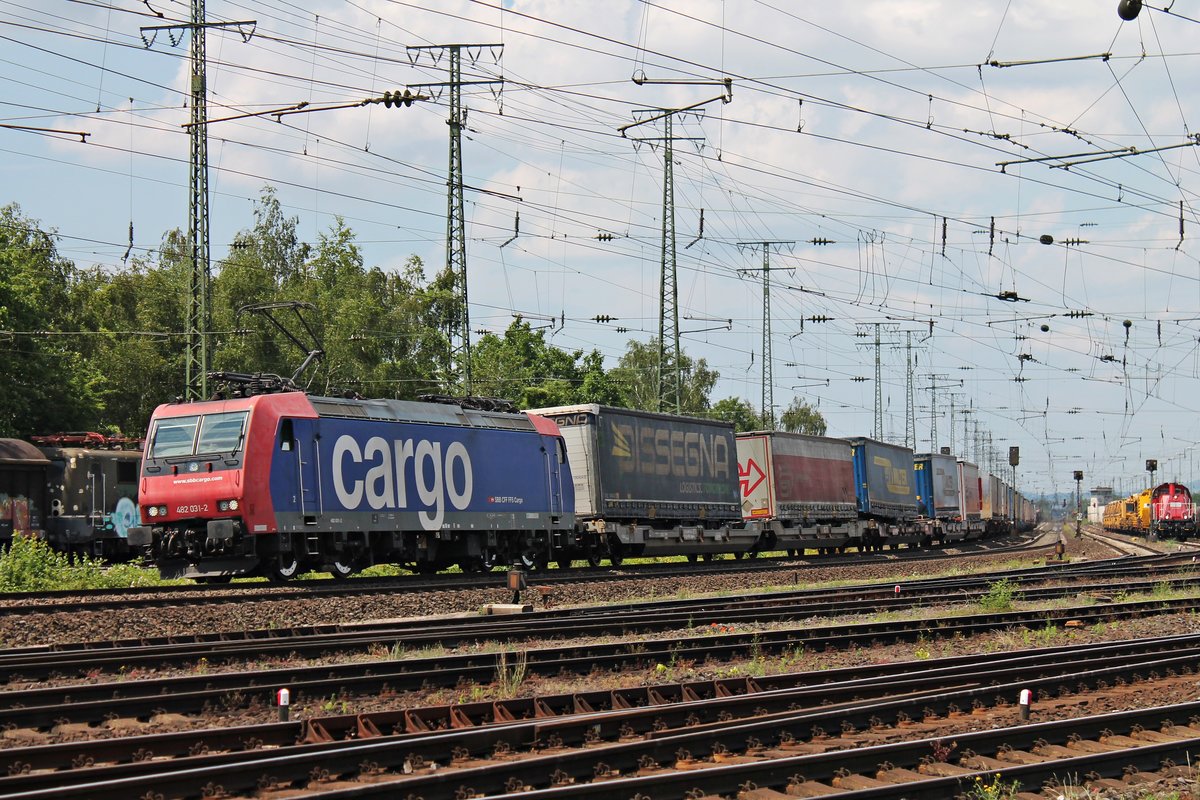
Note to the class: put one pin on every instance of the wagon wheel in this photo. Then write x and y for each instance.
(563, 563)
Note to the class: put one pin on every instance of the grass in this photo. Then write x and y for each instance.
(30, 565)
(995, 789)
(999, 596)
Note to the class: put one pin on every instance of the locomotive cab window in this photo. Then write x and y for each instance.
(221, 433)
(285, 435)
(174, 436)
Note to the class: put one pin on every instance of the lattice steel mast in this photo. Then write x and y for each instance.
(458, 317)
(199, 312)
(768, 363)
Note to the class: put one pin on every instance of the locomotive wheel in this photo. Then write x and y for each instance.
(282, 569)
(564, 563)
(340, 570)
(708, 557)
(692, 558)
(534, 560)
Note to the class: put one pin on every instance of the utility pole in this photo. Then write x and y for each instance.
(670, 377)
(458, 318)
(910, 419)
(199, 312)
(932, 388)
(768, 378)
(878, 344)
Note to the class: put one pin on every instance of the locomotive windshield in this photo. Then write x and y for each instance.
(198, 435)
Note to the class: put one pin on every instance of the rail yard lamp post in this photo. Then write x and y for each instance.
(1152, 467)
(1078, 503)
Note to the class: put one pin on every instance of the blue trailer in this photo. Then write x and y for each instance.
(883, 486)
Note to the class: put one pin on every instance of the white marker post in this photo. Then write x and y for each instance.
(1024, 702)
(283, 699)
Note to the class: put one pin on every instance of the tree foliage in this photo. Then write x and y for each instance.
(97, 348)
(637, 376)
(53, 386)
(740, 412)
(800, 417)
(523, 367)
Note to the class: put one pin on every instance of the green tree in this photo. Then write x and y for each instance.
(523, 367)
(377, 327)
(137, 316)
(265, 264)
(637, 376)
(800, 417)
(738, 411)
(51, 386)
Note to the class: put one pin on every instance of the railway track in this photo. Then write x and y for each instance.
(1104, 579)
(1129, 545)
(47, 708)
(800, 735)
(31, 603)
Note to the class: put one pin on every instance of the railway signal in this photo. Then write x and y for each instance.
(1078, 504)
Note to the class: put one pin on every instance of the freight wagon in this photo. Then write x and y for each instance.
(799, 491)
(93, 483)
(971, 491)
(941, 499)
(23, 490)
(649, 484)
(883, 478)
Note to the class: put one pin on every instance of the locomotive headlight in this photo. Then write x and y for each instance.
(233, 505)
(153, 511)
(227, 505)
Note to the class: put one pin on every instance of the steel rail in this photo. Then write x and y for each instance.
(828, 682)
(164, 596)
(623, 619)
(667, 731)
(91, 703)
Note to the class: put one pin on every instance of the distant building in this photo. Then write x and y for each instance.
(1100, 497)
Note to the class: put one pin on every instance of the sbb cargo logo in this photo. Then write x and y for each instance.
(437, 477)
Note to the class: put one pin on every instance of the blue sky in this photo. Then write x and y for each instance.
(880, 127)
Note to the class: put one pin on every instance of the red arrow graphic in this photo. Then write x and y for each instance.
(747, 475)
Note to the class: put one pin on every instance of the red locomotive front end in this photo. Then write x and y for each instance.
(204, 488)
(1172, 511)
